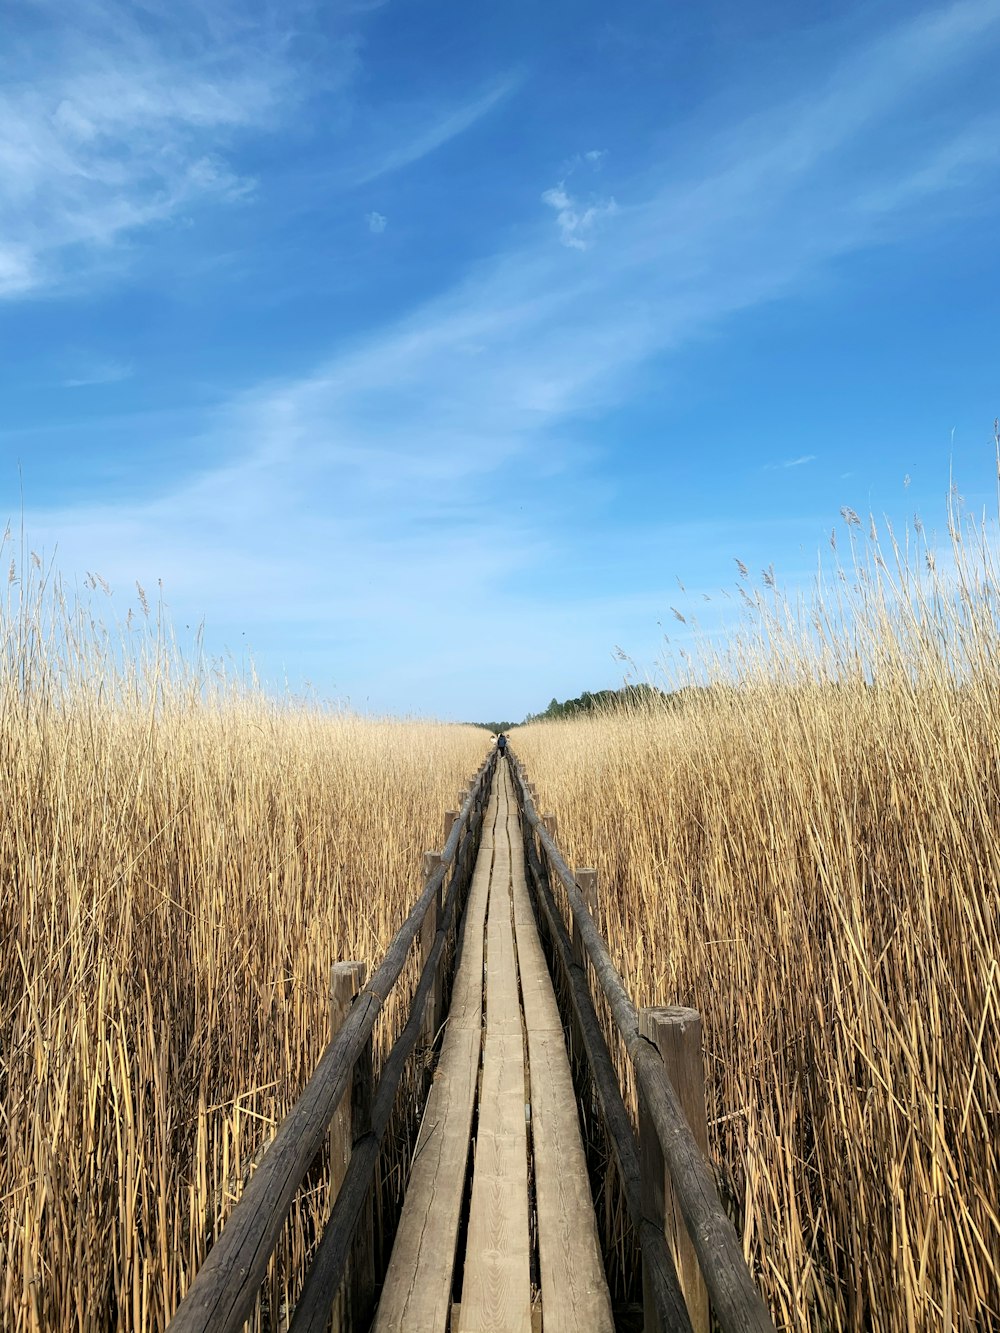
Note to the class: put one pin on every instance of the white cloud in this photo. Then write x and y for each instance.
(17, 270)
(377, 223)
(91, 372)
(791, 462)
(435, 129)
(577, 223)
(109, 129)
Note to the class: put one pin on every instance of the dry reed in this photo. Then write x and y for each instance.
(181, 861)
(809, 853)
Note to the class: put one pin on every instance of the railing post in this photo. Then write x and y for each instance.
(551, 823)
(449, 823)
(676, 1034)
(362, 1268)
(428, 934)
(586, 882)
(351, 1122)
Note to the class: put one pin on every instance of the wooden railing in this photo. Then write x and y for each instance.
(684, 1235)
(663, 1170)
(224, 1291)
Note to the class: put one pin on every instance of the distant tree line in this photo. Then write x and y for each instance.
(628, 696)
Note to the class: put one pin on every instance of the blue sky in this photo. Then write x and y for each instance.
(424, 347)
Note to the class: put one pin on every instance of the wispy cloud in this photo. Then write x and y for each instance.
(377, 223)
(434, 128)
(92, 372)
(801, 461)
(117, 119)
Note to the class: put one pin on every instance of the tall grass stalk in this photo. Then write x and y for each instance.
(181, 861)
(808, 851)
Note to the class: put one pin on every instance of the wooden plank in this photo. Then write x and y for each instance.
(466, 1006)
(417, 1290)
(496, 1285)
(574, 1285)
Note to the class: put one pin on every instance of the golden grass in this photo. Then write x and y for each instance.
(810, 855)
(180, 864)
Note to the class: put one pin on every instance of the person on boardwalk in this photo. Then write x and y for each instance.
(502, 744)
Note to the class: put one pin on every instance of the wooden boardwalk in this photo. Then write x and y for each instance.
(498, 1229)
(501, 1109)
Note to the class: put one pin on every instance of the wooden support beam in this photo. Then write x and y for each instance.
(676, 1034)
(449, 822)
(428, 934)
(586, 880)
(346, 981)
(362, 1268)
(351, 1122)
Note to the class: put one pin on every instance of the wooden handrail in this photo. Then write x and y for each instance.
(312, 1313)
(738, 1305)
(222, 1295)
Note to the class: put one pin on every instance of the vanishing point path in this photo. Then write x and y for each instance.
(498, 1230)
(526, 1241)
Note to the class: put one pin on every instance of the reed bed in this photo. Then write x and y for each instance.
(805, 845)
(181, 861)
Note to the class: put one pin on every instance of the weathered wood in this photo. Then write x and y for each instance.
(449, 822)
(429, 863)
(737, 1303)
(361, 1282)
(428, 936)
(586, 880)
(496, 1283)
(326, 1274)
(346, 981)
(222, 1295)
(417, 1289)
(573, 1283)
(467, 993)
(676, 1034)
(656, 1259)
